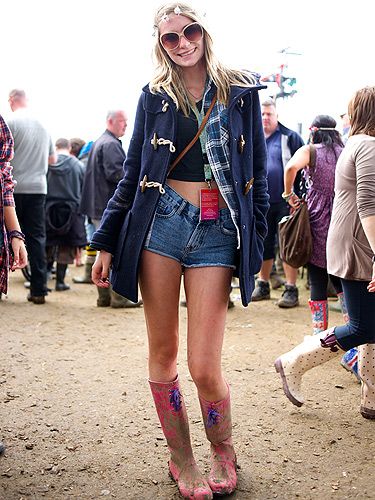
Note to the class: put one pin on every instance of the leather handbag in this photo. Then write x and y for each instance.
(295, 239)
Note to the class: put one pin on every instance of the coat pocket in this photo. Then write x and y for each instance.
(121, 241)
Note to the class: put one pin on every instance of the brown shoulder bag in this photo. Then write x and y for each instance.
(295, 240)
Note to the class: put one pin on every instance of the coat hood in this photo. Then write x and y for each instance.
(63, 165)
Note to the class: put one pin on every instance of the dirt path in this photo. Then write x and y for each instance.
(77, 419)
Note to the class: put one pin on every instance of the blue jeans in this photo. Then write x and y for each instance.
(30, 209)
(177, 232)
(361, 309)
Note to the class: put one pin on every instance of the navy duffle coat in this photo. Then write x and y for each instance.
(129, 213)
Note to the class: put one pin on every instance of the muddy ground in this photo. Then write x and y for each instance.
(77, 419)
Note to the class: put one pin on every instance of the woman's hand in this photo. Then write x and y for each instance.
(100, 269)
(19, 254)
(294, 201)
(371, 285)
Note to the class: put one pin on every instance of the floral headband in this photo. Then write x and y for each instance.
(177, 11)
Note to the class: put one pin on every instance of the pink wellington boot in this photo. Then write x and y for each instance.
(174, 422)
(218, 425)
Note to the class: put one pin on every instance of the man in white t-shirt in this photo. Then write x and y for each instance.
(33, 151)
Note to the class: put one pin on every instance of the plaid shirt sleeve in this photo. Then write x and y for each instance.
(6, 142)
(8, 184)
(6, 154)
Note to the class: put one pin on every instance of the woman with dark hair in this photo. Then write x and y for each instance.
(350, 257)
(320, 179)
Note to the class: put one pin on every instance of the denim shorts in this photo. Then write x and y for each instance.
(176, 232)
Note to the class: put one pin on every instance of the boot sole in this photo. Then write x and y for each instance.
(258, 299)
(284, 306)
(280, 370)
(367, 413)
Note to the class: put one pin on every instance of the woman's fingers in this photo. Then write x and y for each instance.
(100, 270)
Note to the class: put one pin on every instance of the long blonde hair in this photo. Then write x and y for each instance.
(168, 75)
(362, 112)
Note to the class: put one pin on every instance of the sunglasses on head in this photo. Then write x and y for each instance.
(192, 32)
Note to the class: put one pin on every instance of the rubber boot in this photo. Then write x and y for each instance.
(218, 425)
(174, 422)
(104, 297)
(61, 286)
(90, 259)
(313, 351)
(349, 361)
(319, 313)
(118, 301)
(366, 366)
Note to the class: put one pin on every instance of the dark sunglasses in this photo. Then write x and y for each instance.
(192, 32)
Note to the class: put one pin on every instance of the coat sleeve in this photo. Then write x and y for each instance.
(105, 238)
(260, 187)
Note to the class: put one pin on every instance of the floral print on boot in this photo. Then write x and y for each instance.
(319, 313)
(218, 425)
(174, 422)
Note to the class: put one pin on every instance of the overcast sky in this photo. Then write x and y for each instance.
(78, 58)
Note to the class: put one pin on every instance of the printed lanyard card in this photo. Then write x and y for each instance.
(209, 204)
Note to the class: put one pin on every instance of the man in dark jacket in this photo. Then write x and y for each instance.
(103, 172)
(104, 167)
(282, 143)
(65, 225)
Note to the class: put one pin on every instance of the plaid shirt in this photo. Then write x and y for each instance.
(217, 148)
(6, 198)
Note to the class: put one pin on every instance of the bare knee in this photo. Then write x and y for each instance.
(205, 378)
(164, 357)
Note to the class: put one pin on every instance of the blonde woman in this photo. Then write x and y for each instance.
(200, 216)
(350, 257)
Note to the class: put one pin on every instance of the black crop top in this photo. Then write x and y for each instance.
(191, 167)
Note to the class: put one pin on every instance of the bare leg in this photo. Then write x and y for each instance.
(160, 279)
(265, 270)
(291, 274)
(207, 292)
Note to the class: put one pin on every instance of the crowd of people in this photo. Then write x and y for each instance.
(197, 199)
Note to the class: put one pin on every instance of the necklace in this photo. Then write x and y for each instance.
(197, 98)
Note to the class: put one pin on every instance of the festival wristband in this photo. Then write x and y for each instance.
(16, 234)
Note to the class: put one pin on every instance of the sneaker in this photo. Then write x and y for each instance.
(261, 291)
(350, 362)
(289, 297)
